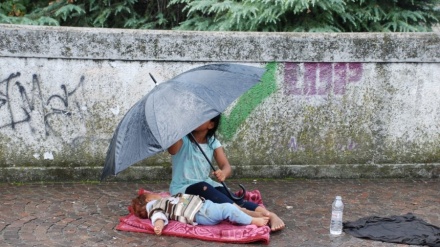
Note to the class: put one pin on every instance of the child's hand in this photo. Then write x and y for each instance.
(158, 226)
(219, 175)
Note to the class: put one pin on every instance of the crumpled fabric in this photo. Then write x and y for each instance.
(405, 229)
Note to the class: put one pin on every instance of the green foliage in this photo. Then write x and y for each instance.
(69, 11)
(92, 13)
(310, 15)
(394, 16)
(229, 15)
(16, 12)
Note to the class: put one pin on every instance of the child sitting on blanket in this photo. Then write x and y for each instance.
(190, 209)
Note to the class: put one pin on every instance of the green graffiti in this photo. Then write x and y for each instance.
(248, 102)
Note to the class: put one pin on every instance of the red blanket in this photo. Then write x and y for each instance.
(224, 232)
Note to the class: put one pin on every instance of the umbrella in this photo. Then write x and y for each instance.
(173, 109)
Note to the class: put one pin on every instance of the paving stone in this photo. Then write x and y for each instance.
(82, 214)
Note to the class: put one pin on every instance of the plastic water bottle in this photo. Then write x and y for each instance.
(337, 212)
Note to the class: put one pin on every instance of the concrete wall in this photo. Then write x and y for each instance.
(331, 105)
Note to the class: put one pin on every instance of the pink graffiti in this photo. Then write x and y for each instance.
(320, 78)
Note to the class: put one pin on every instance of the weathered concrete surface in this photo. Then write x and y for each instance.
(152, 45)
(330, 105)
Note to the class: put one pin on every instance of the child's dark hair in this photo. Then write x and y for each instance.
(211, 132)
(138, 205)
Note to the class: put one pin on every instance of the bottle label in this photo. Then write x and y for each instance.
(337, 215)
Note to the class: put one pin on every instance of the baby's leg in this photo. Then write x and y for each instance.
(262, 221)
(213, 213)
(243, 216)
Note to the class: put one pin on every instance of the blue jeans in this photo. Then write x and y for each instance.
(213, 213)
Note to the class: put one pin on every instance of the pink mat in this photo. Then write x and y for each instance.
(224, 232)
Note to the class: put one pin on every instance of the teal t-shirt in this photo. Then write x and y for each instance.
(190, 166)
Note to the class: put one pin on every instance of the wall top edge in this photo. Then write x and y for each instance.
(165, 45)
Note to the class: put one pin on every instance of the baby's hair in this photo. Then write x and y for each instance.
(138, 205)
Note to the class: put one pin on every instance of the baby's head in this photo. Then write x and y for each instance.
(139, 203)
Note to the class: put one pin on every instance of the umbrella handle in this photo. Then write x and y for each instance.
(230, 194)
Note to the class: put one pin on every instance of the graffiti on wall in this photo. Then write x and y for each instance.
(20, 98)
(320, 78)
(249, 101)
(18, 102)
(300, 79)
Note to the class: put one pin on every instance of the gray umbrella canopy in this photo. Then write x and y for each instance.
(173, 109)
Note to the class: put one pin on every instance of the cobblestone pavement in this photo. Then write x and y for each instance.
(86, 214)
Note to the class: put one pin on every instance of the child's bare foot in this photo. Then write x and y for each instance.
(275, 222)
(260, 221)
(255, 213)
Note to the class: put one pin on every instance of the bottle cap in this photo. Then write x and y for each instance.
(338, 198)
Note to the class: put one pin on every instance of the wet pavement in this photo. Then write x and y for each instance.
(86, 214)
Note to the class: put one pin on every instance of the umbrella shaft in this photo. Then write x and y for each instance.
(232, 196)
(203, 152)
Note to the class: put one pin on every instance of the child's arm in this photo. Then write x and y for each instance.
(159, 221)
(158, 226)
(173, 149)
(223, 163)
